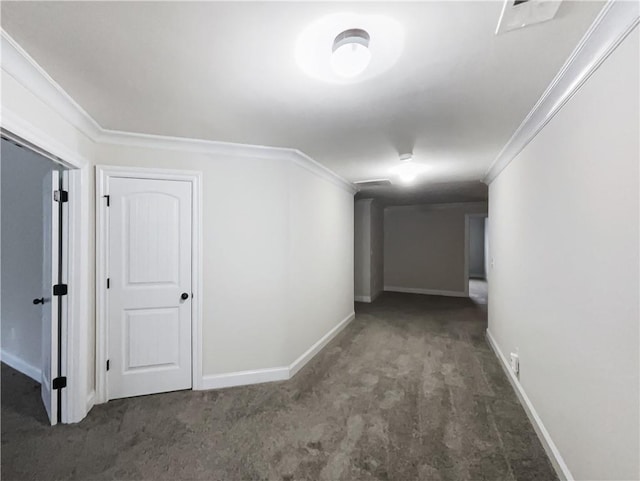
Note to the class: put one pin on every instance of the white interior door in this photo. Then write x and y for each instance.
(149, 288)
(51, 239)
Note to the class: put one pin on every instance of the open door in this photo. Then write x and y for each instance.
(51, 306)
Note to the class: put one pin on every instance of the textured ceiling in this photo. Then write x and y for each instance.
(226, 71)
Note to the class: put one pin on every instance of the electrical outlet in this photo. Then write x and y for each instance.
(515, 363)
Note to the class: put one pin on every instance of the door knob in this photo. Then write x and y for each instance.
(184, 296)
(39, 301)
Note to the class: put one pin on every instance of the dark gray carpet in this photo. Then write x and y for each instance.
(410, 390)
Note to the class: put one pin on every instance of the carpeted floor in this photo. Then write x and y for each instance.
(409, 391)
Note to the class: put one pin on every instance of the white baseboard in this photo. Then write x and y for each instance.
(549, 446)
(362, 298)
(317, 347)
(22, 366)
(430, 292)
(243, 378)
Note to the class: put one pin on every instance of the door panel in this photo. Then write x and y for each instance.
(153, 260)
(153, 339)
(51, 238)
(149, 269)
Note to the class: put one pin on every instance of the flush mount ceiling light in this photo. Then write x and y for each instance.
(351, 54)
(408, 170)
(345, 48)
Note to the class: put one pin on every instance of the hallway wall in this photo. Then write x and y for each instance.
(564, 290)
(476, 247)
(368, 249)
(275, 237)
(424, 248)
(362, 250)
(377, 249)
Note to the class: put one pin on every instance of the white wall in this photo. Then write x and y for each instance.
(320, 260)
(564, 235)
(369, 249)
(278, 255)
(377, 249)
(424, 248)
(486, 247)
(476, 247)
(23, 174)
(362, 250)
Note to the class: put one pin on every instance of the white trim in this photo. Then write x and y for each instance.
(430, 292)
(362, 298)
(103, 174)
(21, 366)
(17, 63)
(186, 144)
(612, 25)
(244, 378)
(303, 160)
(212, 147)
(78, 319)
(24, 130)
(283, 373)
(22, 67)
(299, 363)
(561, 468)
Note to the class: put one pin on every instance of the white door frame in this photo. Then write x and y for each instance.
(103, 174)
(74, 402)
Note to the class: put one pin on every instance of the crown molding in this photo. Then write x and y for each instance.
(303, 160)
(17, 63)
(26, 71)
(14, 125)
(616, 20)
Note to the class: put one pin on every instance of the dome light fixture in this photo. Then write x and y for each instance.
(376, 41)
(408, 170)
(351, 54)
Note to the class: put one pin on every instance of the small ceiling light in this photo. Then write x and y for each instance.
(351, 54)
(378, 44)
(408, 170)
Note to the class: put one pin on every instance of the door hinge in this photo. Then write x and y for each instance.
(108, 364)
(61, 196)
(108, 283)
(60, 290)
(59, 382)
(108, 197)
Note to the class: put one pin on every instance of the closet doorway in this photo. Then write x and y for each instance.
(34, 238)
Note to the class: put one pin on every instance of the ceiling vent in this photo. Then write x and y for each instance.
(522, 13)
(372, 183)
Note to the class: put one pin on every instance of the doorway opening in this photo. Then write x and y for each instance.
(34, 251)
(477, 257)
